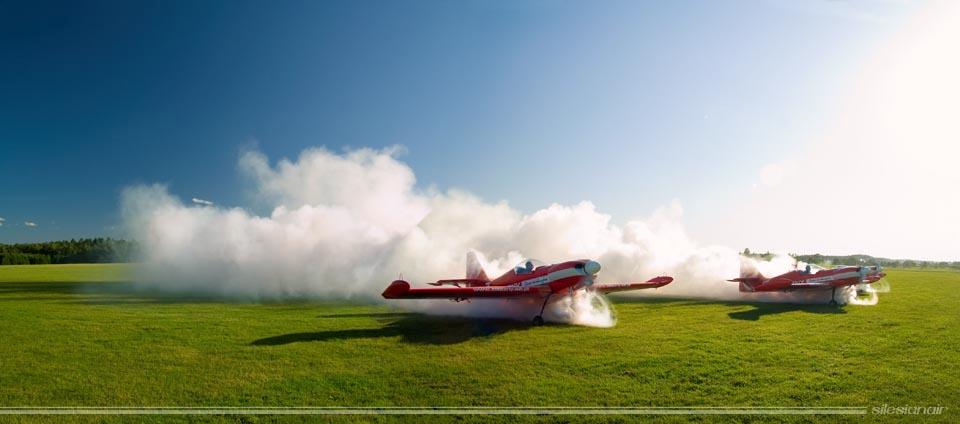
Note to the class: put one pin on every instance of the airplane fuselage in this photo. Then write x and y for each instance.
(544, 280)
(823, 279)
(569, 275)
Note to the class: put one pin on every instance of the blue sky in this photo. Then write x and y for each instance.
(627, 104)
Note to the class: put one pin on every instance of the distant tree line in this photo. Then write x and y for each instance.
(859, 260)
(94, 250)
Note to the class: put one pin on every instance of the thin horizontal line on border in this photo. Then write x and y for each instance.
(433, 411)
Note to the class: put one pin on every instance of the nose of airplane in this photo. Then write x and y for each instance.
(592, 267)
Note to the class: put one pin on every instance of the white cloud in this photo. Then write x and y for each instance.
(201, 202)
(29, 224)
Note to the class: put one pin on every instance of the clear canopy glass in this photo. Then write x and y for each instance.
(809, 268)
(527, 266)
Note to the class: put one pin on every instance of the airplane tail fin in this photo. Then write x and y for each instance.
(750, 277)
(475, 268)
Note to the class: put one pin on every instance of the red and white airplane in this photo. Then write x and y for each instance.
(529, 279)
(810, 278)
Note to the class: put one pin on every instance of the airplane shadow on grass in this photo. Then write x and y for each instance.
(762, 309)
(410, 327)
(759, 309)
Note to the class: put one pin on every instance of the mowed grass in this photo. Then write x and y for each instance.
(79, 335)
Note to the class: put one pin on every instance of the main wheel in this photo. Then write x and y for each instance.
(538, 320)
(832, 302)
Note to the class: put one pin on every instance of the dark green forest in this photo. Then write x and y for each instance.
(833, 260)
(95, 250)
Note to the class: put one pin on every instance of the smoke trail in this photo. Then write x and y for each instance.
(850, 296)
(344, 225)
(882, 286)
(583, 308)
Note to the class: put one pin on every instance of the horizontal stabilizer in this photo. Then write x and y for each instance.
(747, 280)
(468, 282)
(747, 284)
(400, 289)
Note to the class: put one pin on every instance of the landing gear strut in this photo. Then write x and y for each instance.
(833, 297)
(538, 320)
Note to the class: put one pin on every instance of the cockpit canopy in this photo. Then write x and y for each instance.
(527, 266)
(809, 269)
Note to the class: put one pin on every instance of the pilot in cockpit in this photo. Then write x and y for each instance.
(807, 270)
(524, 268)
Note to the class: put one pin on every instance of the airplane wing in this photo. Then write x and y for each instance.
(401, 290)
(649, 284)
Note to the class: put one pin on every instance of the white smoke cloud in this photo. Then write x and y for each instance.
(344, 226)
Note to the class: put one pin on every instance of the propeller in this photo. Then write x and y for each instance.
(866, 293)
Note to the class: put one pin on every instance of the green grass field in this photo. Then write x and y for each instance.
(77, 335)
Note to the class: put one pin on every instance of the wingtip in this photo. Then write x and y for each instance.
(661, 280)
(396, 289)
